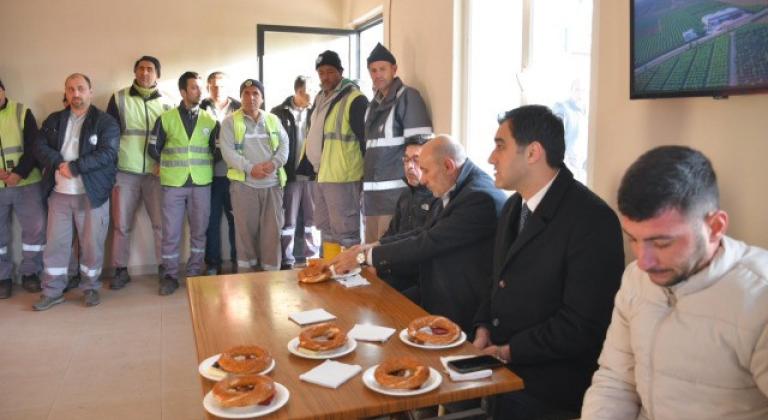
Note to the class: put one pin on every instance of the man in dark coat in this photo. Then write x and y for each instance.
(557, 265)
(453, 251)
(77, 148)
(412, 209)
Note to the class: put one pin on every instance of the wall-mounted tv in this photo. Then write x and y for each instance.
(698, 48)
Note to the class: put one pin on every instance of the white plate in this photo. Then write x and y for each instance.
(405, 339)
(207, 370)
(369, 380)
(212, 406)
(351, 273)
(348, 347)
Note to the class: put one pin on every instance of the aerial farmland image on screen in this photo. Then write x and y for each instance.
(699, 45)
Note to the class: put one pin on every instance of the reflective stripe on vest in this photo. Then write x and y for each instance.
(11, 136)
(342, 159)
(272, 125)
(183, 156)
(137, 117)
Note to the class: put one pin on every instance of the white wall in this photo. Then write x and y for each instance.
(732, 132)
(44, 41)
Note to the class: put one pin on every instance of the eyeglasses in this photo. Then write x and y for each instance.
(410, 160)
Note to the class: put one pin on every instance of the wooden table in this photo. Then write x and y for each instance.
(253, 308)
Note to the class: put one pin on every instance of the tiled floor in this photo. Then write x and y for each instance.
(131, 357)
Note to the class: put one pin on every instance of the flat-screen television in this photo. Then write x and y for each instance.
(698, 48)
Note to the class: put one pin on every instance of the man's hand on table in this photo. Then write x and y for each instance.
(346, 261)
(483, 343)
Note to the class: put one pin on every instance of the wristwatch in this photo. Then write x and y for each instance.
(361, 257)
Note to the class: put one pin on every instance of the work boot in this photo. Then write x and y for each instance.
(120, 279)
(5, 288)
(168, 285)
(46, 302)
(73, 283)
(91, 297)
(31, 283)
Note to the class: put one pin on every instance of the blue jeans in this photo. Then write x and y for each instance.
(220, 202)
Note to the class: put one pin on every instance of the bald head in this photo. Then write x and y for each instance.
(444, 146)
(441, 162)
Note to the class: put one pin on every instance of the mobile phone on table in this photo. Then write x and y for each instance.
(476, 363)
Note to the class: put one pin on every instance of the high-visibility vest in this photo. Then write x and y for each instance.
(272, 125)
(11, 140)
(138, 118)
(183, 156)
(342, 159)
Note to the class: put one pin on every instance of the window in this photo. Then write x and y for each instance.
(539, 54)
(288, 51)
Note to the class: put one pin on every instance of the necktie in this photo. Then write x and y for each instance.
(524, 213)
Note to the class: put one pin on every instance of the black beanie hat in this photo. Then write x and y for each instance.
(381, 53)
(252, 82)
(329, 58)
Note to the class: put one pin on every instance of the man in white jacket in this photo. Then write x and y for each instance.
(689, 333)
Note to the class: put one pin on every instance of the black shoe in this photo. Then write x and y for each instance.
(213, 270)
(91, 298)
(168, 285)
(285, 266)
(5, 288)
(31, 283)
(73, 283)
(120, 279)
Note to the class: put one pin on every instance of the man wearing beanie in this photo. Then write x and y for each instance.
(396, 112)
(136, 108)
(333, 152)
(255, 147)
(20, 192)
(183, 141)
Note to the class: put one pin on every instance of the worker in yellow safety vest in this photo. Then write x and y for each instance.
(136, 108)
(255, 147)
(183, 143)
(20, 192)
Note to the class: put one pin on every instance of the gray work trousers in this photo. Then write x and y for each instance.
(27, 203)
(129, 191)
(297, 196)
(337, 212)
(258, 217)
(196, 203)
(91, 225)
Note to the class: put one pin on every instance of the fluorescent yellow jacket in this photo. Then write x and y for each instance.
(183, 156)
(138, 117)
(342, 159)
(272, 125)
(11, 140)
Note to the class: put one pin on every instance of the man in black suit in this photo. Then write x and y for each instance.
(557, 265)
(453, 250)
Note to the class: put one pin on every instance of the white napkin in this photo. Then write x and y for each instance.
(355, 280)
(471, 376)
(330, 374)
(312, 316)
(370, 332)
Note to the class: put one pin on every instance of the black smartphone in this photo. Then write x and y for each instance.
(476, 363)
